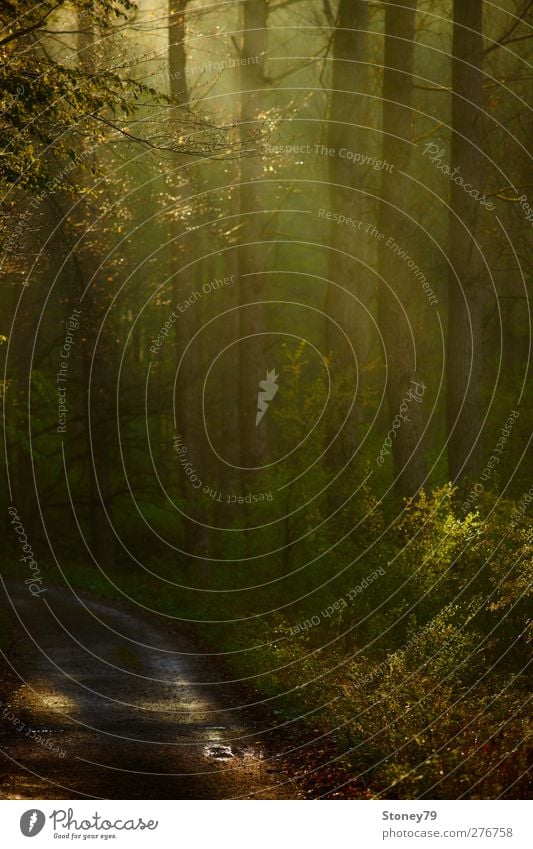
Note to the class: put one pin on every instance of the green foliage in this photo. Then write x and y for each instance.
(433, 719)
(400, 628)
(48, 101)
(437, 704)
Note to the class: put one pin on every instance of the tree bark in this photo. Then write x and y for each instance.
(465, 355)
(99, 390)
(346, 308)
(397, 285)
(253, 362)
(188, 414)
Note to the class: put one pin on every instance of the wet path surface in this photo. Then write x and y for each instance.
(112, 704)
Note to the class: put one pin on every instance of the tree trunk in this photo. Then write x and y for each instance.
(99, 390)
(102, 430)
(397, 287)
(22, 484)
(345, 307)
(466, 263)
(253, 363)
(188, 413)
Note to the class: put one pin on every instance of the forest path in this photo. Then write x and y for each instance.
(116, 705)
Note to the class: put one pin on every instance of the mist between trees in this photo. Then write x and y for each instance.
(287, 246)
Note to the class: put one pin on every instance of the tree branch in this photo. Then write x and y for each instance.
(27, 30)
(505, 38)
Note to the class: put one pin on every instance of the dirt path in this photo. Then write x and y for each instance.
(111, 704)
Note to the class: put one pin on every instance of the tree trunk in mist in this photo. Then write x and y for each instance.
(21, 467)
(98, 427)
(465, 356)
(178, 89)
(103, 427)
(100, 412)
(253, 363)
(176, 48)
(346, 114)
(188, 413)
(398, 287)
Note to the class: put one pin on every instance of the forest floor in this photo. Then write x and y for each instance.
(107, 702)
(115, 705)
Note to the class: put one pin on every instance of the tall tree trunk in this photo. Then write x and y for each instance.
(99, 391)
(465, 356)
(346, 309)
(188, 413)
(102, 424)
(22, 484)
(397, 287)
(227, 477)
(177, 66)
(176, 49)
(253, 363)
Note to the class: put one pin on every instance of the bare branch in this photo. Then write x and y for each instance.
(506, 37)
